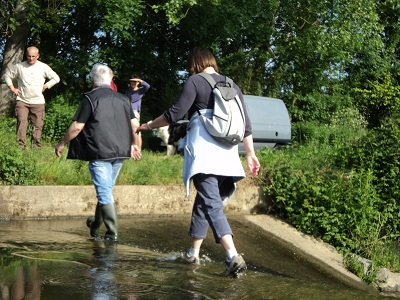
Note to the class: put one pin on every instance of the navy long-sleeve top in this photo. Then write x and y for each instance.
(196, 95)
(136, 96)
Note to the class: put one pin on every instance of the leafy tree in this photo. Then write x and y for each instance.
(12, 40)
(324, 48)
(72, 35)
(380, 100)
(239, 34)
(389, 14)
(315, 55)
(376, 89)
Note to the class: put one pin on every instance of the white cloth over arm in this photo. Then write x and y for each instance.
(203, 154)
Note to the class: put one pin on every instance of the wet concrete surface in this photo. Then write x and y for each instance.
(58, 257)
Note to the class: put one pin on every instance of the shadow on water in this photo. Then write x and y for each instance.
(55, 259)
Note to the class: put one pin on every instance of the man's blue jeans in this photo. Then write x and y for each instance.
(104, 174)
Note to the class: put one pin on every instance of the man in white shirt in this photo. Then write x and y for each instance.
(32, 78)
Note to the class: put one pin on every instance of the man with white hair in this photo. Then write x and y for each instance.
(103, 133)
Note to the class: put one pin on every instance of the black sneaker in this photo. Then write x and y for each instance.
(235, 266)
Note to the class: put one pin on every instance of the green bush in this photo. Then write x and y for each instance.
(59, 115)
(378, 152)
(342, 189)
(317, 106)
(15, 166)
(344, 127)
(381, 100)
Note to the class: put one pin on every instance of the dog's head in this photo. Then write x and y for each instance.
(176, 132)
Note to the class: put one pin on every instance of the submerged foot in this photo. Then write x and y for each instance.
(192, 259)
(235, 266)
(89, 221)
(94, 230)
(192, 256)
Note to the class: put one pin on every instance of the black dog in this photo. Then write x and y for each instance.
(176, 132)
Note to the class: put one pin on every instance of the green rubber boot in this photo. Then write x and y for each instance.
(95, 222)
(110, 219)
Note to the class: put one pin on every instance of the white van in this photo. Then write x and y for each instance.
(270, 122)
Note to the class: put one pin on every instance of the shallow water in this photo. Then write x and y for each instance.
(55, 259)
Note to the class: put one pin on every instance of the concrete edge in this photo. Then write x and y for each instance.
(36, 202)
(321, 255)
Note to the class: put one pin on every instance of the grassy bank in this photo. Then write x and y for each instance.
(43, 167)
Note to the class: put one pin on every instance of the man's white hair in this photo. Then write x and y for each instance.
(101, 75)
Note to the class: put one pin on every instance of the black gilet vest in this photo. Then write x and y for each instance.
(108, 132)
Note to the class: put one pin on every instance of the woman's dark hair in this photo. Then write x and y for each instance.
(201, 58)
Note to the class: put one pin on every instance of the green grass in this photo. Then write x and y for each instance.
(154, 168)
(43, 167)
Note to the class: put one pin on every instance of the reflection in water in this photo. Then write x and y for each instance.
(19, 280)
(105, 256)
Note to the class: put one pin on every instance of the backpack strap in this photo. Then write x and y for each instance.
(230, 81)
(214, 84)
(209, 78)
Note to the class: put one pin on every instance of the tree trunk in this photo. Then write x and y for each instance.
(13, 54)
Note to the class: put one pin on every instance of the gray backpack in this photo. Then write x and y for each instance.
(227, 124)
